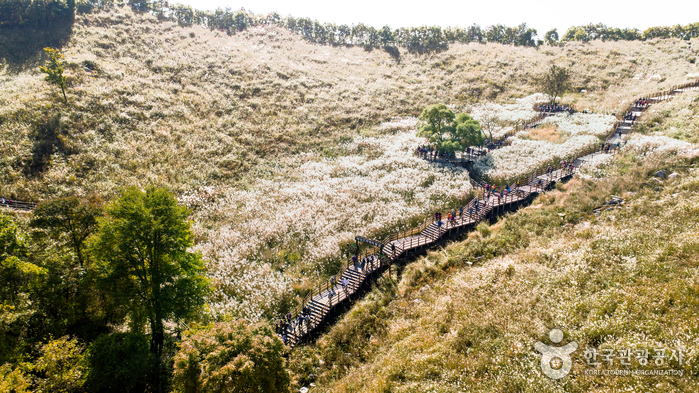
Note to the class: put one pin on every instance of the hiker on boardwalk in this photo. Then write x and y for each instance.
(345, 283)
(331, 292)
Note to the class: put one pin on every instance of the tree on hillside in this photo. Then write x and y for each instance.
(141, 251)
(118, 362)
(17, 278)
(70, 218)
(555, 82)
(551, 37)
(436, 125)
(236, 357)
(489, 121)
(447, 131)
(467, 131)
(54, 70)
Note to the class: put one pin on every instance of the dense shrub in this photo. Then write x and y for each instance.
(231, 357)
(118, 362)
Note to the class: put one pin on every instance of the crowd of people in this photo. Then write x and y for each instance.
(288, 324)
(428, 152)
(553, 108)
(641, 103)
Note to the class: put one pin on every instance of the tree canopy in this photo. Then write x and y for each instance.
(118, 362)
(447, 131)
(551, 37)
(142, 254)
(71, 218)
(236, 357)
(555, 82)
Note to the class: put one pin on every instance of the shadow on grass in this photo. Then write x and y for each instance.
(21, 47)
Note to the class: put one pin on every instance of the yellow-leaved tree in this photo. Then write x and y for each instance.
(54, 69)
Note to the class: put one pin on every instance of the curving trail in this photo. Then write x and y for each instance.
(329, 298)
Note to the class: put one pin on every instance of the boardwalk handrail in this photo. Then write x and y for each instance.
(18, 205)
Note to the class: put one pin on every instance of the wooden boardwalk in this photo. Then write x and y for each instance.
(329, 297)
(316, 308)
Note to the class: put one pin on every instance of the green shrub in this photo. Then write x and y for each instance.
(118, 362)
(483, 229)
(60, 367)
(231, 357)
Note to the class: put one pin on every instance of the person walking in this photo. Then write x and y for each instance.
(331, 292)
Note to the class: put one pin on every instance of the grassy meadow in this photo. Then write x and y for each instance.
(450, 322)
(283, 149)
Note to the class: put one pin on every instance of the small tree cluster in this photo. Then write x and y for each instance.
(447, 131)
(84, 269)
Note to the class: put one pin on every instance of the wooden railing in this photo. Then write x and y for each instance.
(18, 205)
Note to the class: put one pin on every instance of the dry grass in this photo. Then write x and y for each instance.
(215, 116)
(548, 133)
(677, 118)
(185, 107)
(624, 279)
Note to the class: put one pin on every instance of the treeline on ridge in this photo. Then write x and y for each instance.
(415, 39)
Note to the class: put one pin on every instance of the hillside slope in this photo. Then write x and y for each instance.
(282, 148)
(154, 102)
(624, 279)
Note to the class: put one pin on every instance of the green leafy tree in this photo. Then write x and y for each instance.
(555, 82)
(18, 277)
(447, 131)
(551, 37)
(68, 298)
(467, 131)
(234, 357)
(117, 363)
(60, 367)
(436, 124)
(71, 220)
(54, 70)
(141, 251)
